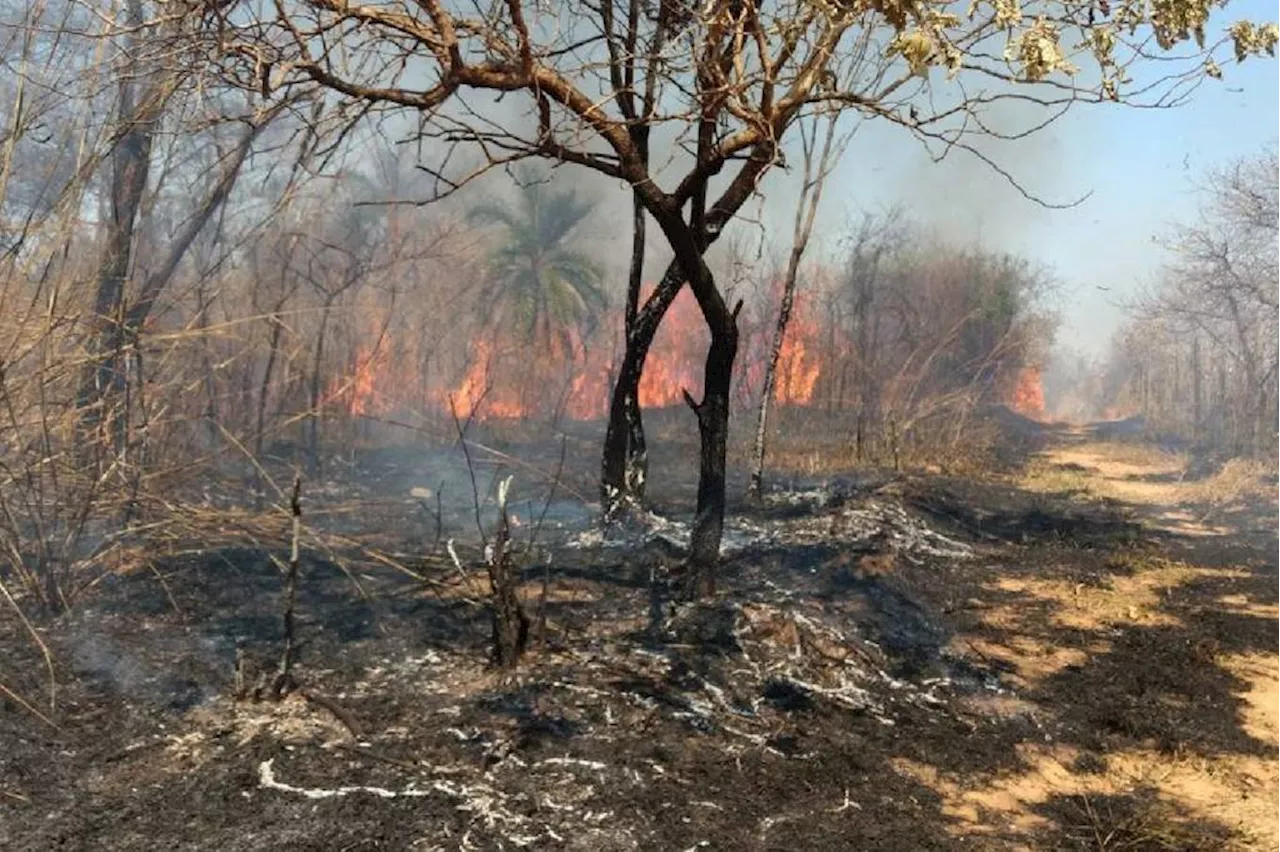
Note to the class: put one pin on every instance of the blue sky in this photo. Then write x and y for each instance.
(1139, 166)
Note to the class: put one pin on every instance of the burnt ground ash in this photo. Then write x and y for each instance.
(793, 711)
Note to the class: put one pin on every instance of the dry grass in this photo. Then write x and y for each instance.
(1148, 476)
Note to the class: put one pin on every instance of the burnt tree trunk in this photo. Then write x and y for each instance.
(510, 623)
(713, 430)
(624, 408)
(623, 455)
(636, 475)
(689, 244)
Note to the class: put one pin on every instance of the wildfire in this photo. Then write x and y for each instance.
(798, 368)
(675, 360)
(477, 396)
(574, 376)
(1028, 394)
(360, 389)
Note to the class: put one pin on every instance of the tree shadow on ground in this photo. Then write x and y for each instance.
(1139, 821)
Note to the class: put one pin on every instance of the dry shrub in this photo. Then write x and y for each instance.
(1238, 480)
(1139, 821)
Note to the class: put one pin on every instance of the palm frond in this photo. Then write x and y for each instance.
(559, 214)
(540, 287)
(493, 213)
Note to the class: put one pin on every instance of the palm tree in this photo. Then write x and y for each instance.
(536, 284)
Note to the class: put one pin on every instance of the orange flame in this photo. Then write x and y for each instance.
(798, 368)
(359, 390)
(478, 396)
(1028, 394)
(576, 376)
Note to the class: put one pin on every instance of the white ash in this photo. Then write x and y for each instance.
(644, 526)
(870, 519)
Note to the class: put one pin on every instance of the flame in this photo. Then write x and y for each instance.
(359, 389)
(1119, 412)
(1028, 394)
(574, 376)
(478, 396)
(798, 368)
(676, 358)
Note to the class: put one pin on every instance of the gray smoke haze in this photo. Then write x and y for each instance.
(966, 200)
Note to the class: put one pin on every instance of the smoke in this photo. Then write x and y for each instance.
(174, 671)
(995, 195)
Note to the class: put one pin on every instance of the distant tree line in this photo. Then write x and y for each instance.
(1199, 356)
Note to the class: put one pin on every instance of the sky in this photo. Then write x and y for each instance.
(1138, 167)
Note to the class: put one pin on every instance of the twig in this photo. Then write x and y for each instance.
(284, 677)
(339, 712)
(542, 605)
(471, 470)
(377, 755)
(551, 493)
(28, 706)
(44, 651)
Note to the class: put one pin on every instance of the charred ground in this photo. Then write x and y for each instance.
(1053, 658)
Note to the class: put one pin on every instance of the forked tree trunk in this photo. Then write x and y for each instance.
(713, 429)
(689, 245)
(624, 449)
(625, 426)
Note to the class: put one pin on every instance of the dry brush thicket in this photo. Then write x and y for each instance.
(724, 84)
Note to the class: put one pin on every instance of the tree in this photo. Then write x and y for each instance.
(537, 285)
(1208, 329)
(148, 84)
(731, 79)
(814, 175)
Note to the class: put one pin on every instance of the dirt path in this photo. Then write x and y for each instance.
(1160, 655)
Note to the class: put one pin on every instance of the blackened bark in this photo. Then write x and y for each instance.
(713, 429)
(284, 681)
(626, 390)
(510, 623)
(614, 492)
(689, 245)
(636, 475)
